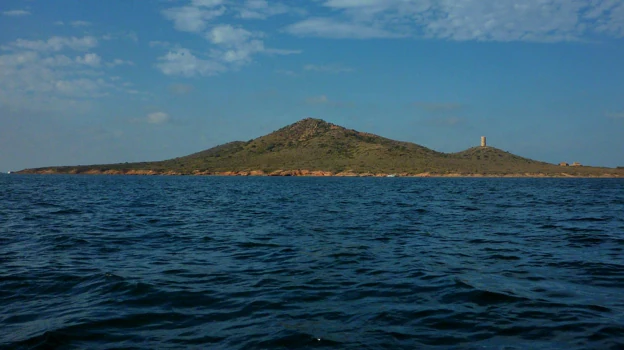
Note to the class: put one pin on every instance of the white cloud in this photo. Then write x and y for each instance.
(57, 61)
(328, 68)
(368, 9)
(615, 115)
(130, 35)
(601, 7)
(182, 62)
(34, 77)
(238, 45)
(16, 13)
(157, 118)
(330, 28)
(13, 61)
(317, 100)
(530, 20)
(242, 54)
(180, 89)
(81, 87)
(461, 20)
(288, 72)
(133, 36)
(56, 43)
(119, 62)
(80, 23)
(444, 121)
(192, 18)
(281, 52)
(323, 100)
(228, 35)
(353, 3)
(261, 9)
(231, 46)
(612, 19)
(207, 3)
(89, 59)
(156, 43)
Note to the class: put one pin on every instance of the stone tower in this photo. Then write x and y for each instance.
(483, 144)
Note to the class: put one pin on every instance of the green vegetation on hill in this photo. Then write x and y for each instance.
(315, 145)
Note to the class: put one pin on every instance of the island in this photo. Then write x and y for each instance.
(314, 147)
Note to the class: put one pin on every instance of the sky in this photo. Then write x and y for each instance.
(92, 81)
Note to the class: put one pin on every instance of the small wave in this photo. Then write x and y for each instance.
(66, 212)
(503, 257)
(46, 205)
(611, 333)
(581, 229)
(189, 339)
(250, 244)
(404, 204)
(468, 208)
(344, 254)
(592, 219)
(549, 226)
(93, 331)
(481, 297)
(484, 241)
(586, 240)
(289, 339)
(63, 239)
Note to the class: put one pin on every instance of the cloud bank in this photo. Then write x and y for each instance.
(231, 46)
(461, 20)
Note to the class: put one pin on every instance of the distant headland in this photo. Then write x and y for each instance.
(313, 147)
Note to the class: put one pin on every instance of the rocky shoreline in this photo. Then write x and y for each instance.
(311, 173)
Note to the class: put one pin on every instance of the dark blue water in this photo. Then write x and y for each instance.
(94, 262)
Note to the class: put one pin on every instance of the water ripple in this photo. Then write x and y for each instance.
(255, 263)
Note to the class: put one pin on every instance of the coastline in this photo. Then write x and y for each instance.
(312, 173)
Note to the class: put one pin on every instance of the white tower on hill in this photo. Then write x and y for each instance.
(483, 143)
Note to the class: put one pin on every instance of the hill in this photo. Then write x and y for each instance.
(315, 147)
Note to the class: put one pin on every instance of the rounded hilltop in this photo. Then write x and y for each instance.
(304, 129)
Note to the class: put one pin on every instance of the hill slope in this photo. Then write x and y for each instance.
(315, 147)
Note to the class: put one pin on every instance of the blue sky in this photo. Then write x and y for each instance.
(92, 81)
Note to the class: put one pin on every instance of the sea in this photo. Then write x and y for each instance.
(183, 262)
